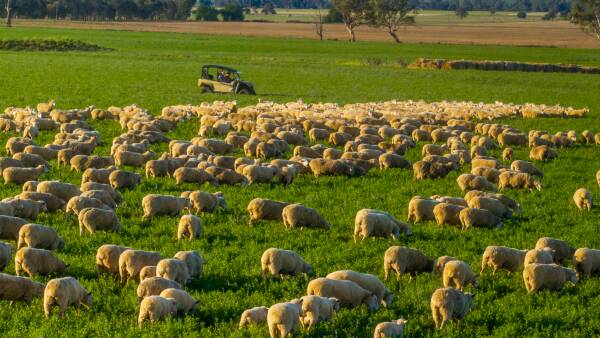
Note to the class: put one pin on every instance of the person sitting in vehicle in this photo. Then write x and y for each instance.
(224, 77)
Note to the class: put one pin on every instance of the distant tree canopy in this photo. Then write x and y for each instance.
(586, 13)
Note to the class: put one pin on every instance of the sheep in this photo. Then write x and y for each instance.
(101, 195)
(20, 175)
(80, 163)
(7, 208)
(446, 213)
(190, 227)
(16, 145)
(474, 217)
(78, 203)
(193, 175)
(7, 162)
(132, 261)
(583, 199)
(421, 209)
(30, 186)
(298, 216)
(507, 138)
(518, 180)
(15, 288)
(376, 223)
(124, 179)
(260, 174)
(493, 205)
(35, 262)
(322, 167)
(507, 154)
(279, 262)
(173, 269)
(547, 276)
(441, 262)
(366, 281)
(157, 168)
(283, 318)
(5, 255)
(432, 167)
(262, 208)
(450, 304)
(185, 302)
(203, 201)
(491, 174)
(123, 157)
(526, 167)
(39, 236)
(433, 149)
(287, 174)
(97, 175)
(472, 182)
(598, 177)
(390, 160)
(254, 316)
(500, 257)
(587, 136)
(92, 219)
(51, 202)
(390, 329)
(586, 262)
(405, 260)
(147, 272)
(541, 256)
(155, 308)
(542, 153)
(487, 162)
(459, 274)
(10, 227)
(64, 191)
(64, 156)
(63, 292)
(26, 208)
(562, 250)
(155, 204)
(450, 200)
(194, 262)
(31, 160)
(507, 201)
(107, 258)
(89, 186)
(349, 294)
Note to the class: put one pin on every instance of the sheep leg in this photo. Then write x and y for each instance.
(444, 314)
(386, 270)
(272, 330)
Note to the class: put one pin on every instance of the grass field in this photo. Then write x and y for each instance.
(158, 69)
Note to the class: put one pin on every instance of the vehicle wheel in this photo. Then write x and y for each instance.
(244, 91)
(205, 90)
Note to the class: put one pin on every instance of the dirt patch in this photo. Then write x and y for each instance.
(502, 66)
(58, 45)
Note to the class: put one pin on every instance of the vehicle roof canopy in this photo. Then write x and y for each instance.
(220, 67)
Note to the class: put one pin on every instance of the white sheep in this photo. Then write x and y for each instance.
(587, 262)
(153, 286)
(501, 257)
(405, 260)
(474, 217)
(254, 316)
(349, 294)
(562, 250)
(376, 223)
(173, 269)
(194, 261)
(421, 209)
(298, 216)
(15, 288)
(316, 309)
(540, 256)
(450, 304)
(63, 292)
(204, 201)
(547, 276)
(155, 204)
(39, 236)
(190, 227)
(390, 329)
(155, 308)
(583, 199)
(185, 302)
(131, 263)
(107, 258)
(366, 281)
(473, 182)
(283, 318)
(459, 274)
(283, 262)
(92, 219)
(262, 208)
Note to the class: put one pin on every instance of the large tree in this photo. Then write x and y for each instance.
(353, 14)
(390, 14)
(8, 13)
(586, 13)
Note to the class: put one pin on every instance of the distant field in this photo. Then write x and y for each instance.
(155, 69)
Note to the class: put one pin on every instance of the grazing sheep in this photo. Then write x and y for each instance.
(15, 288)
(107, 258)
(298, 216)
(190, 227)
(507, 201)
(562, 250)
(10, 227)
(204, 201)
(173, 269)
(193, 175)
(349, 294)
(493, 205)
(501, 257)
(63, 292)
(97, 175)
(20, 175)
(433, 166)
(405, 260)
(376, 223)
(459, 274)
(254, 316)
(587, 136)
(450, 304)
(92, 219)
(390, 329)
(132, 261)
(39, 236)
(540, 256)
(316, 309)
(51, 202)
(507, 154)
(194, 261)
(155, 204)
(7, 208)
(526, 167)
(155, 308)
(31, 160)
(262, 208)
(547, 277)
(446, 213)
(123, 157)
(479, 218)
(441, 262)
(323, 167)
(390, 160)
(518, 180)
(287, 174)
(185, 302)
(101, 195)
(30, 186)
(583, 199)
(472, 182)
(256, 173)
(491, 174)
(64, 156)
(283, 318)
(147, 272)
(279, 262)
(35, 262)
(5, 255)
(450, 200)
(124, 179)
(587, 262)
(421, 209)
(487, 162)
(366, 281)
(26, 208)
(542, 153)
(89, 186)
(80, 163)
(78, 203)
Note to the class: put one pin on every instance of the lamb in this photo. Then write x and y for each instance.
(547, 276)
(262, 208)
(450, 304)
(35, 262)
(474, 217)
(10, 227)
(97, 175)
(583, 199)
(518, 180)
(405, 260)
(147, 272)
(15, 288)
(155, 308)
(283, 318)
(587, 262)
(124, 179)
(540, 256)
(204, 201)
(39, 236)
(526, 167)
(20, 175)
(279, 262)
(493, 205)
(107, 258)
(78, 203)
(472, 182)
(116, 196)
(349, 294)
(562, 250)
(298, 216)
(190, 227)
(421, 209)
(542, 153)
(390, 329)
(316, 309)
(155, 204)
(101, 195)
(5, 255)
(63, 292)
(500, 257)
(194, 262)
(185, 302)
(132, 261)
(441, 262)
(51, 202)
(376, 223)
(173, 269)
(446, 213)
(92, 219)
(123, 157)
(254, 316)
(366, 281)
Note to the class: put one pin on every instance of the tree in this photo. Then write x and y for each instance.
(319, 26)
(333, 16)
(352, 12)
(232, 12)
(390, 14)
(9, 13)
(204, 12)
(586, 14)
(268, 8)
